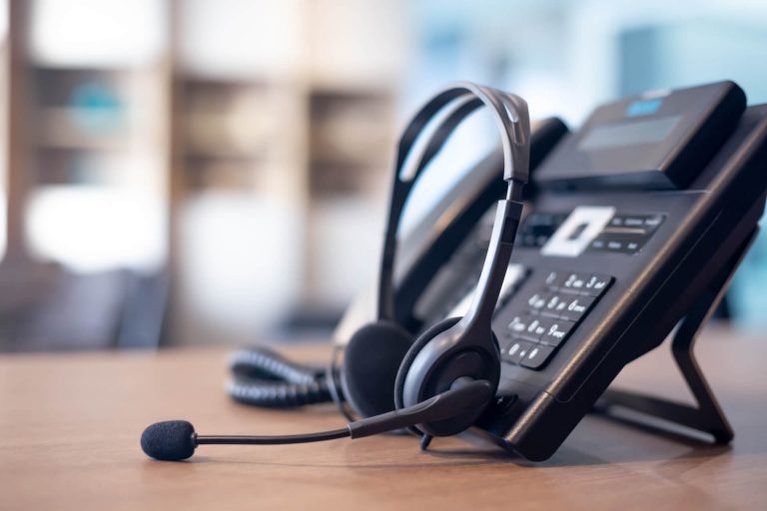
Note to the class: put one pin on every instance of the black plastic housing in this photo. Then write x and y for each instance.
(704, 117)
(705, 227)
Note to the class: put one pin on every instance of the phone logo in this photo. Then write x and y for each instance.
(644, 107)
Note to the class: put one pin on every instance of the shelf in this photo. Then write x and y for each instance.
(86, 167)
(82, 109)
(80, 128)
(80, 86)
(231, 102)
(228, 120)
(350, 141)
(197, 154)
(343, 180)
(228, 175)
(62, 167)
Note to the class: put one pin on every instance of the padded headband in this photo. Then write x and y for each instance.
(448, 109)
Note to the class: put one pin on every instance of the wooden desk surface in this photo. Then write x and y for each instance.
(70, 425)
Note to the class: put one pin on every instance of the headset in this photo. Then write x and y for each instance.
(436, 385)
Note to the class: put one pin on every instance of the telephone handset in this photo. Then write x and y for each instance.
(638, 221)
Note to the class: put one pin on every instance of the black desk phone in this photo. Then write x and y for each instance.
(633, 224)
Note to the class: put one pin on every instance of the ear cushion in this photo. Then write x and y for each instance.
(415, 349)
(369, 369)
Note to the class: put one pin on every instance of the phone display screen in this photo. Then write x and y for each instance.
(632, 132)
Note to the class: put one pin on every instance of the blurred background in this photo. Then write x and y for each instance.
(180, 172)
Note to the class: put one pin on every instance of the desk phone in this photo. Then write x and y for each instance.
(633, 224)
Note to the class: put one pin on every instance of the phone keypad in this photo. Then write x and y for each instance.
(551, 314)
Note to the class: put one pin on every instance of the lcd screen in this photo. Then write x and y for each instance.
(628, 133)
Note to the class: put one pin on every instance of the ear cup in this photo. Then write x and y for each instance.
(369, 369)
(462, 363)
(414, 350)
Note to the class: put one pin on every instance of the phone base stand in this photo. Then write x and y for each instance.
(708, 416)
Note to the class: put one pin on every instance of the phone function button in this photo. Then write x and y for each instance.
(556, 332)
(517, 350)
(617, 245)
(626, 234)
(651, 222)
(537, 228)
(536, 356)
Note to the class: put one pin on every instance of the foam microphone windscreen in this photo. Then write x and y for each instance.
(169, 440)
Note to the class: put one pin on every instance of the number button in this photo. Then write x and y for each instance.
(538, 300)
(535, 329)
(536, 356)
(575, 281)
(519, 324)
(555, 305)
(596, 284)
(557, 332)
(516, 351)
(555, 279)
(577, 307)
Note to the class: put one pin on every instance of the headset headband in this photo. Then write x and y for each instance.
(453, 105)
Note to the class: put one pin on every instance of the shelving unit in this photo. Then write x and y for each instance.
(234, 149)
(240, 192)
(282, 145)
(226, 136)
(96, 166)
(350, 139)
(349, 152)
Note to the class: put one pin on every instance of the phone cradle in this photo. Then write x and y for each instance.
(708, 416)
